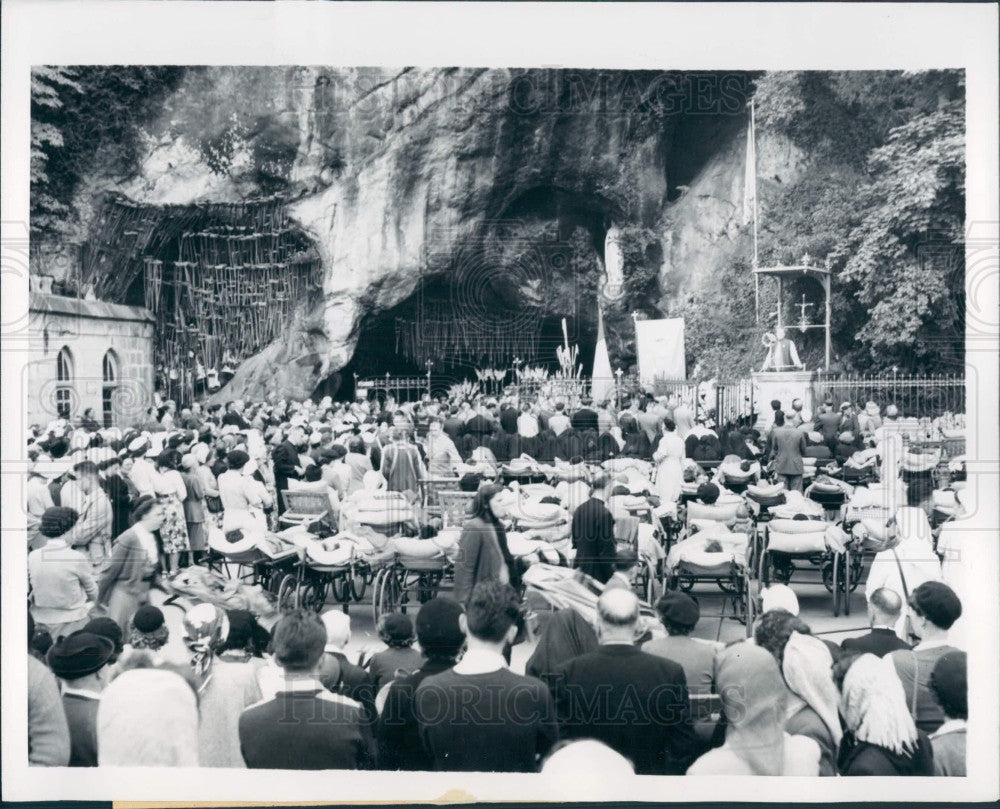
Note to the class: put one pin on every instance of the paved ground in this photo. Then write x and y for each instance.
(816, 609)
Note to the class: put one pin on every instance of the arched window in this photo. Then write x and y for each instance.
(111, 376)
(64, 383)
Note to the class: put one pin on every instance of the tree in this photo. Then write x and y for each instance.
(883, 199)
(87, 119)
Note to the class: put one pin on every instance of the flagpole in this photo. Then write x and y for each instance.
(756, 278)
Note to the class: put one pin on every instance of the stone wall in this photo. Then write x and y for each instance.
(88, 330)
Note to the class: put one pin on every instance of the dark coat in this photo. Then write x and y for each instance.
(285, 458)
(340, 676)
(398, 734)
(477, 561)
(878, 642)
(584, 419)
(862, 758)
(593, 533)
(634, 702)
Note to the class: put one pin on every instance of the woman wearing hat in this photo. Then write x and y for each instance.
(124, 587)
(243, 497)
(753, 700)
(881, 737)
(171, 493)
(148, 629)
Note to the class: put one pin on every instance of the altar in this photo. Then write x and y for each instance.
(783, 386)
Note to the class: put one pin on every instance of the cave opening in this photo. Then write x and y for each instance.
(398, 342)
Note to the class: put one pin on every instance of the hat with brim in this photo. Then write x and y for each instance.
(80, 654)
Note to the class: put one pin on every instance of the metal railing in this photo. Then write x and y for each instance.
(917, 396)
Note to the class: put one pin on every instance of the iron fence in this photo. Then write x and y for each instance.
(915, 396)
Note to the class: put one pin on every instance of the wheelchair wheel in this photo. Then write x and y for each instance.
(752, 602)
(359, 580)
(387, 595)
(287, 592)
(836, 574)
(377, 593)
(312, 596)
(847, 582)
(341, 586)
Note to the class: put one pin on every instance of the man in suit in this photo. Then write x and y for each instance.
(287, 465)
(338, 674)
(884, 608)
(304, 727)
(785, 448)
(234, 415)
(584, 419)
(634, 702)
(593, 532)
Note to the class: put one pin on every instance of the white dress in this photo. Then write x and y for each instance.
(669, 457)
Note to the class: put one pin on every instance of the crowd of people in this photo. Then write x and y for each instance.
(112, 512)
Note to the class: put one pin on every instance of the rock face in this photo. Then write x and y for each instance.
(405, 177)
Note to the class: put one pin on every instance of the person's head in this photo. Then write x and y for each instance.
(110, 629)
(298, 641)
(492, 615)
(780, 333)
(775, 628)
(934, 607)
(148, 629)
(337, 626)
(617, 616)
(776, 405)
(88, 476)
(396, 630)
(57, 521)
(884, 607)
(708, 493)
(892, 412)
(237, 460)
(950, 686)
(313, 473)
(81, 660)
(486, 505)
(779, 418)
(797, 405)
(669, 425)
(874, 707)
(148, 716)
(399, 433)
(148, 513)
(169, 460)
(439, 628)
(679, 613)
(560, 407)
(753, 693)
(435, 426)
(600, 483)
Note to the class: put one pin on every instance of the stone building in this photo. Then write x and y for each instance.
(88, 354)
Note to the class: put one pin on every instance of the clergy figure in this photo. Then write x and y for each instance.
(781, 353)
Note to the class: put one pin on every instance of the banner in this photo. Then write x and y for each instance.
(660, 349)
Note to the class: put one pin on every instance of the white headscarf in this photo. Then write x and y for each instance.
(807, 666)
(873, 705)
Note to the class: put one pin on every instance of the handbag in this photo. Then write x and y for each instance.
(213, 504)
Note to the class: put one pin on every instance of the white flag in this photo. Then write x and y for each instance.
(602, 381)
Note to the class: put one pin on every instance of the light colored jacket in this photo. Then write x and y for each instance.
(62, 582)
